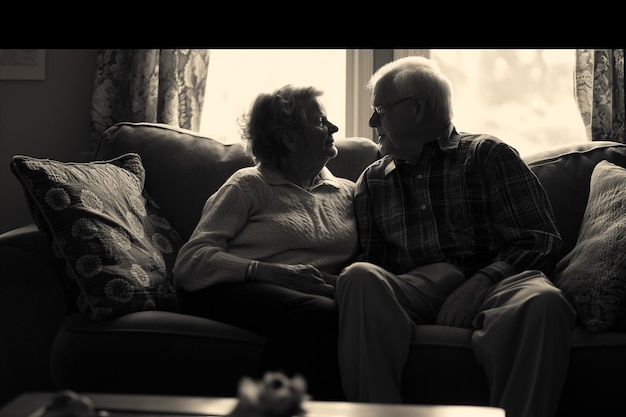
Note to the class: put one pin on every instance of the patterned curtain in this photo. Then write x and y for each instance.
(148, 85)
(600, 92)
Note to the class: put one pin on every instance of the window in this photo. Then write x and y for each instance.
(524, 96)
(236, 76)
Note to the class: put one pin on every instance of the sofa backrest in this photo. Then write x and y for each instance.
(183, 168)
(565, 174)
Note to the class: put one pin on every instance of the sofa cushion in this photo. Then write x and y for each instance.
(116, 247)
(154, 352)
(564, 173)
(593, 274)
(182, 167)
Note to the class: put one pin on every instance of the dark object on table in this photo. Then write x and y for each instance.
(70, 404)
(275, 395)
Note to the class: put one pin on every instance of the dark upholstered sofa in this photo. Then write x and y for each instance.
(47, 344)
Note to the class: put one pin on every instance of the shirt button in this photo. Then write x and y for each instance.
(423, 207)
(420, 176)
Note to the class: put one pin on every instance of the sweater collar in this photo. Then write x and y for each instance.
(275, 177)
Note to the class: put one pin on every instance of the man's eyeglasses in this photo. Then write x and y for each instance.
(380, 110)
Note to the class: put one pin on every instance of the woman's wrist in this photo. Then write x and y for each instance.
(251, 271)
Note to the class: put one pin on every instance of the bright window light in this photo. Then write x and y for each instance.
(523, 96)
(237, 76)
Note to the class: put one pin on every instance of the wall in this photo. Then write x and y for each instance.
(46, 119)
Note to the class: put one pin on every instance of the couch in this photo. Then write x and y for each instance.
(49, 342)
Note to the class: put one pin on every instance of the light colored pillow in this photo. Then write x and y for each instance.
(117, 249)
(593, 274)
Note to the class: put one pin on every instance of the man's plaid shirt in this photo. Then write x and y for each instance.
(476, 205)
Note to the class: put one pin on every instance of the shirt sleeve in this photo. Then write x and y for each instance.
(522, 215)
(203, 261)
(373, 247)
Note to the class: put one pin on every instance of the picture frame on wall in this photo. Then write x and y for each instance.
(22, 64)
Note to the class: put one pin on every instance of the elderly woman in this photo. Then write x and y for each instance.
(271, 241)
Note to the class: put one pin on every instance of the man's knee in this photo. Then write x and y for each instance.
(551, 302)
(358, 272)
(546, 300)
(361, 277)
(356, 269)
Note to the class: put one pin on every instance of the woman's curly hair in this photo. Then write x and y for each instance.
(274, 117)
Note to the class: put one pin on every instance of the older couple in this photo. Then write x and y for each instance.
(448, 228)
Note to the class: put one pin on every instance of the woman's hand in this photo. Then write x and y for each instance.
(303, 278)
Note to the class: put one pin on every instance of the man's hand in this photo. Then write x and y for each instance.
(462, 305)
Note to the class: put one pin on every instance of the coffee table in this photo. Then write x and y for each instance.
(126, 405)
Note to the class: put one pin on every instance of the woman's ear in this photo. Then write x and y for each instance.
(290, 142)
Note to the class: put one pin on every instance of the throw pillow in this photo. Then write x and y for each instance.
(117, 248)
(593, 274)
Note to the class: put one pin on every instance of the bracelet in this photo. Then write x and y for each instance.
(251, 271)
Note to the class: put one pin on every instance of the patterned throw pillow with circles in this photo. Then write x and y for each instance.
(117, 248)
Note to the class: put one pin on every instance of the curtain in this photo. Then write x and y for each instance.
(148, 85)
(168, 86)
(600, 92)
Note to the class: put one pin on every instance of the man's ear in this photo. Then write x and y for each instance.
(419, 110)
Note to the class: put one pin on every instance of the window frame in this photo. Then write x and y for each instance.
(360, 65)
(359, 69)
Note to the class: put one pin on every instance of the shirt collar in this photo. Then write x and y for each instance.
(447, 141)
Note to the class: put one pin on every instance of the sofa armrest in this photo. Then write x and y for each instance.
(32, 305)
